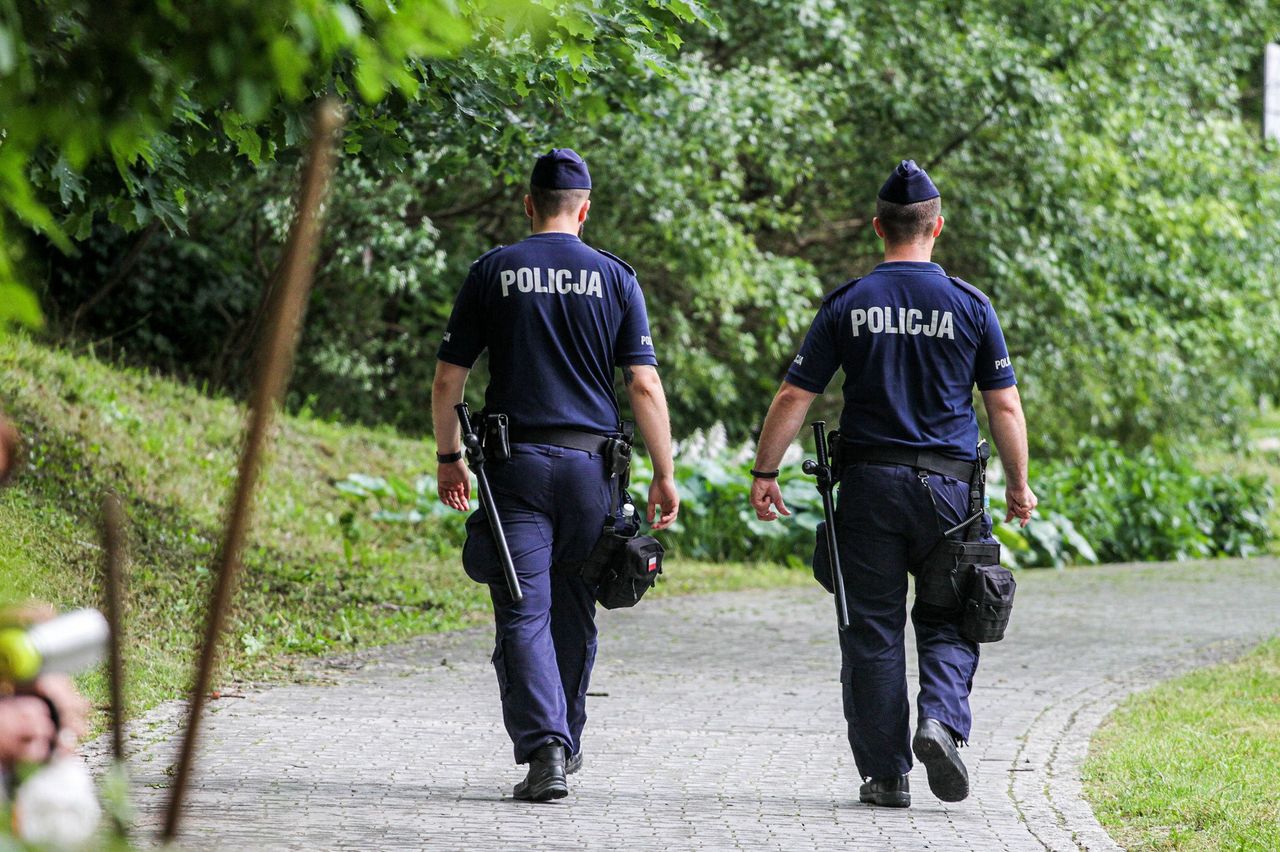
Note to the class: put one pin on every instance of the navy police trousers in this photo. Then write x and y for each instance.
(553, 502)
(887, 521)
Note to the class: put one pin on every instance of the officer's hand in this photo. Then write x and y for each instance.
(1022, 502)
(765, 497)
(453, 481)
(664, 502)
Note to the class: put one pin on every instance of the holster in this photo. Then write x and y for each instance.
(496, 437)
(962, 579)
(617, 455)
(623, 564)
(836, 449)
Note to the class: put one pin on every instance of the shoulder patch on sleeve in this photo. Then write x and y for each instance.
(836, 292)
(614, 257)
(969, 288)
(486, 254)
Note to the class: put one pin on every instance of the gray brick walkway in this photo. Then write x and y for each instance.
(716, 725)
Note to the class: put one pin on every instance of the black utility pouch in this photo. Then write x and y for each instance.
(988, 604)
(623, 568)
(942, 580)
(822, 560)
(497, 438)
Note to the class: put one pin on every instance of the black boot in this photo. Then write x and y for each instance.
(892, 792)
(545, 780)
(573, 764)
(935, 746)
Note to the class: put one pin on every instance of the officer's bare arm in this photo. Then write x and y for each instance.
(782, 423)
(649, 402)
(446, 392)
(453, 482)
(1009, 429)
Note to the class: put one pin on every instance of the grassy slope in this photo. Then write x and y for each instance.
(171, 453)
(1194, 763)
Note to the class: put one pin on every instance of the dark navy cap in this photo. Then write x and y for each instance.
(561, 168)
(908, 184)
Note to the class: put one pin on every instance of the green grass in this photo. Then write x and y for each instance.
(171, 453)
(1194, 763)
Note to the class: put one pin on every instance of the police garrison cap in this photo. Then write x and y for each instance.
(561, 168)
(908, 184)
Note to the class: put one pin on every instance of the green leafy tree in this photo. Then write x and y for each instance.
(123, 112)
(1102, 171)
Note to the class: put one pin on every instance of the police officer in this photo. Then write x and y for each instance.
(557, 316)
(912, 342)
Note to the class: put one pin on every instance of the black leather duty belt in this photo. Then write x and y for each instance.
(919, 459)
(573, 439)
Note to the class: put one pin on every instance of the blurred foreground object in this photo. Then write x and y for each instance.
(55, 805)
(46, 790)
(8, 449)
(66, 644)
(275, 362)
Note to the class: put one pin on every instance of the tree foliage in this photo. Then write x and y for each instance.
(1101, 168)
(124, 112)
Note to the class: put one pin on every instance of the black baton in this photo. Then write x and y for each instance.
(826, 482)
(476, 461)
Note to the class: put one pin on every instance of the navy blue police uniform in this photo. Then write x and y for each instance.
(912, 342)
(556, 317)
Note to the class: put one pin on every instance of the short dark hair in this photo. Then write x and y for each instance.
(908, 223)
(557, 202)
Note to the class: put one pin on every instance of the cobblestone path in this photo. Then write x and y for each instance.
(715, 724)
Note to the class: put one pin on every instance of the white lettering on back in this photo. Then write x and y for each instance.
(560, 282)
(891, 320)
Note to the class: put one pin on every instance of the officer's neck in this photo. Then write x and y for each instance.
(562, 225)
(916, 252)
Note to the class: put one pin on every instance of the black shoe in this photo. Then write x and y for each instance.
(886, 792)
(573, 764)
(935, 746)
(545, 780)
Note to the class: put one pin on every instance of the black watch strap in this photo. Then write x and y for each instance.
(449, 458)
(765, 474)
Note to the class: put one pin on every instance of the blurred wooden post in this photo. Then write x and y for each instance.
(274, 363)
(113, 579)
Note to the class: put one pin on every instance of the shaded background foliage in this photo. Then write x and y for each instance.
(1101, 165)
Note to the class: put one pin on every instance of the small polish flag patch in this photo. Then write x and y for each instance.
(653, 564)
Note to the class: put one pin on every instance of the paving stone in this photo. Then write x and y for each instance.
(717, 726)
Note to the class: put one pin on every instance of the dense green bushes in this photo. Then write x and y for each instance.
(1155, 505)
(1105, 504)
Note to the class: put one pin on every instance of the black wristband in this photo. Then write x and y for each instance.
(449, 458)
(764, 474)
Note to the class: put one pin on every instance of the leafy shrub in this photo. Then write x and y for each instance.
(392, 500)
(1153, 504)
(1106, 504)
